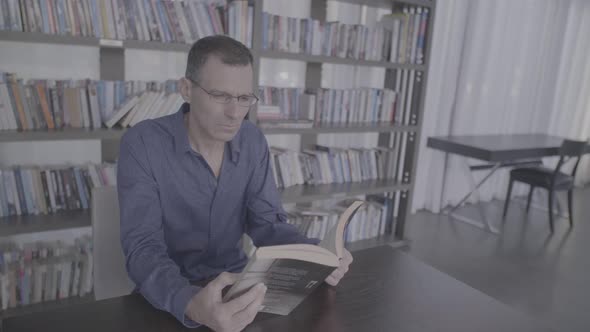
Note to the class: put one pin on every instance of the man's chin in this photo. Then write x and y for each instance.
(225, 136)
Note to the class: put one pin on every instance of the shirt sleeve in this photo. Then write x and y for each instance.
(154, 273)
(266, 219)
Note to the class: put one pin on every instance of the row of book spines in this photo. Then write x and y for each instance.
(13, 253)
(355, 106)
(328, 165)
(31, 278)
(347, 106)
(331, 39)
(25, 191)
(34, 106)
(370, 221)
(49, 104)
(329, 106)
(149, 20)
(409, 26)
(147, 105)
(401, 36)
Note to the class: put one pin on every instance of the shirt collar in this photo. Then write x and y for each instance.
(181, 142)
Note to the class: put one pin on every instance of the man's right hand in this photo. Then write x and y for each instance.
(207, 308)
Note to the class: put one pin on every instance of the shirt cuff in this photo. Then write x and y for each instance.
(180, 302)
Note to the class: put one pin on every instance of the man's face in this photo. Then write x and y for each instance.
(217, 120)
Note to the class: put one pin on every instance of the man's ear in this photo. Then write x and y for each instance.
(185, 89)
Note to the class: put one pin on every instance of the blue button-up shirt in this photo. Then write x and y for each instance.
(179, 223)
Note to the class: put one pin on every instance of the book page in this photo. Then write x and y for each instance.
(334, 239)
(288, 282)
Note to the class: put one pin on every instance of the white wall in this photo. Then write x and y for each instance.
(67, 236)
(50, 153)
(34, 60)
(144, 65)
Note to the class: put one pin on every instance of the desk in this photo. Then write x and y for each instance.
(385, 290)
(497, 151)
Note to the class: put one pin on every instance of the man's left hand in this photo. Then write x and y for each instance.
(334, 278)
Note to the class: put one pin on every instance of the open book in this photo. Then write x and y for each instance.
(291, 272)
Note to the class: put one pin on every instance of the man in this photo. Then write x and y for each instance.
(192, 183)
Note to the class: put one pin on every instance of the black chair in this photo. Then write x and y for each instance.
(550, 179)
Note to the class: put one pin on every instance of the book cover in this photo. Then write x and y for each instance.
(80, 18)
(124, 30)
(52, 189)
(291, 272)
(6, 22)
(43, 100)
(87, 17)
(59, 192)
(21, 191)
(173, 21)
(39, 195)
(80, 188)
(45, 188)
(3, 199)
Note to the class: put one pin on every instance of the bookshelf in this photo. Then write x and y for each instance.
(271, 54)
(339, 129)
(116, 133)
(112, 53)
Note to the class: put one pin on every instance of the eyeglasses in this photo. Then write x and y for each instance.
(226, 98)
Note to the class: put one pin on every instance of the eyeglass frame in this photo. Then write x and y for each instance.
(213, 96)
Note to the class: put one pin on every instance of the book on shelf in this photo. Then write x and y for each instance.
(370, 221)
(397, 104)
(288, 107)
(57, 104)
(293, 271)
(398, 37)
(178, 21)
(355, 106)
(42, 190)
(44, 271)
(325, 165)
(310, 36)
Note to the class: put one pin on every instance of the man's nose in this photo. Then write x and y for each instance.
(233, 110)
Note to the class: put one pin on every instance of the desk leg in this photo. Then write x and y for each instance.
(475, 190)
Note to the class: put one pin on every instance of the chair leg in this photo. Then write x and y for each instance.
(551, 209)
(507, 200)
(528, 201)
(570, 199)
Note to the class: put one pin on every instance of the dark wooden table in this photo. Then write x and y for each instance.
(385, 290)
(499, 148)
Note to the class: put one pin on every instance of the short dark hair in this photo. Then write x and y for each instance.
(229, 50)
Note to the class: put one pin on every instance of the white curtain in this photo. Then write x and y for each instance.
(502, 67)
(571, 108)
